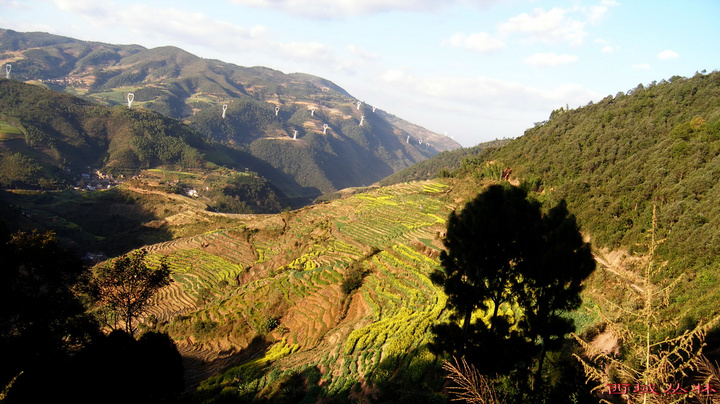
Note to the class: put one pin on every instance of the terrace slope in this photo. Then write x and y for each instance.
(231, 285)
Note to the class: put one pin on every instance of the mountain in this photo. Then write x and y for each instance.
(264, 301)
(259, 307)
(265, 107)
(51, 140)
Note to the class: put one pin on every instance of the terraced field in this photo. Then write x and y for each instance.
(278, 280)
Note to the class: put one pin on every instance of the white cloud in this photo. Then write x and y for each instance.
(641, 66)
(12, 4)
(552, 27)
(258, 31)
(173, 25)
(558, 25)
(25, 27)
(88, 8)
(607, 48)
(482, 92)
(668, 54)
(362, 53)
(349, 8)
(550, 59)
(305, 50)
(597, 14)
(480, 42)
(395, 76)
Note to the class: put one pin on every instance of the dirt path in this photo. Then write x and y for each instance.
(616, 262)
(606, 343)
(180, 198)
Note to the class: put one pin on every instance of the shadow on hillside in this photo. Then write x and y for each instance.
(401, 378)
(296, 195)
(712, 348)
(108, 221)
(197, 370)
(395, 145)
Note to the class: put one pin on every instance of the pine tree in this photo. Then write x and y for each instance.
(510, 273)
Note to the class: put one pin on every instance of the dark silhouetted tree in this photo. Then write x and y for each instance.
(41, 320)
(485, 245)
(552, 282)
(112, 369)
(123, 288)
(510, 272)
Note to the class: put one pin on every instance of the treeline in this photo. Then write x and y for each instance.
(441, 165)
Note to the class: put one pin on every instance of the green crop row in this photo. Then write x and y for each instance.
(434, 187)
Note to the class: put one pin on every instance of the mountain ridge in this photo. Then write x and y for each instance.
(181, 85)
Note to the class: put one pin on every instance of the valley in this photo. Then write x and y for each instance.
(301, 268)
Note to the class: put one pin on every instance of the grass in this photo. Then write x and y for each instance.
(9, 132)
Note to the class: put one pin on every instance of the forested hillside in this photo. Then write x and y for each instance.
(613, 161)
(440, 165)
(308, 135)
(62, 135)
(50, 140)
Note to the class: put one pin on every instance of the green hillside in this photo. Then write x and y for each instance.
(62, 135)
(612, 161)
(264, 109)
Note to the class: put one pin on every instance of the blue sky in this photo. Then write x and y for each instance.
(476, 69)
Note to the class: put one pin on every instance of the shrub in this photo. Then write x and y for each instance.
(353, 278)
(270, 323)
(204, 328)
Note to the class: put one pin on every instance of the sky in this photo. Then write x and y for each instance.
(476, 70)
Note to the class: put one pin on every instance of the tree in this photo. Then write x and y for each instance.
(42, 322)
(553, 281)
(125, 286)
(510, 272)
(480, 272)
